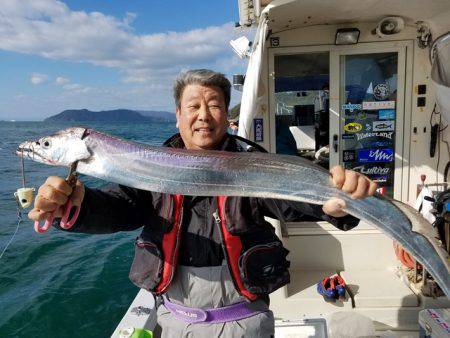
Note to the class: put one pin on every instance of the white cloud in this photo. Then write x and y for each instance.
(61, 80)
(76, 87)
(37, 78)
(49, 28)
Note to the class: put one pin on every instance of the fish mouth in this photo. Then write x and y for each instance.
(24, 149)
(27, 150)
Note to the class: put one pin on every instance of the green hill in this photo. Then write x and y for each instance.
(116, 115)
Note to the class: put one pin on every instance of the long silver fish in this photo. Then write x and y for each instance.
(213, 173)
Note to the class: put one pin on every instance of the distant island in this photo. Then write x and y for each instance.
(116, 115)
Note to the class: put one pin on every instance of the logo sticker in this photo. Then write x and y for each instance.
(349, 155)
(383, 125)
(362, 136)
(351, 107)
(259, 130)
(376, 155)
(274, 41)
(368, 127)
(353, 127)
(357, 114)
(381, 91)
(372, 170)
(373, 144)
(386, 114)
(379, 178)
(375, 105)
(348, 136)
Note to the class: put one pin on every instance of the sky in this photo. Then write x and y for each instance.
(108, 54)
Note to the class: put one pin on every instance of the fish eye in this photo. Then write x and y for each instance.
(46, 143)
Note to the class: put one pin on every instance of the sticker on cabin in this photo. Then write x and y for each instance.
(381, 91)
(360, 115)
(376, 105)
(348, 136)
(349, 155)
(376, 155)
(353, 127)
(373, 144)
(386, 114)
(383, 125)
(274, 41)
(259, 130)
(362, 136)
(370, 169)
(379, 178)
(351, 107)
(368, 127)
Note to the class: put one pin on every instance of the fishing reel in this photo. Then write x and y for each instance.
(24, 197)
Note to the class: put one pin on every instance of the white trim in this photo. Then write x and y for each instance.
(408, 111)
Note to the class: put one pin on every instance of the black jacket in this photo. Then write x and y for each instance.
(120, 208)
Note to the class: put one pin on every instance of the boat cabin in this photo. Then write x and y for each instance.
(349, 83)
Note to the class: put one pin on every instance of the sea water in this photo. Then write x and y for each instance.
(61, 284)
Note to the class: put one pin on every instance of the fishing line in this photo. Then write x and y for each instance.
(19, 220)
(19, 201)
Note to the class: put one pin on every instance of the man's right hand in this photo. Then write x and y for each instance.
(53, 194)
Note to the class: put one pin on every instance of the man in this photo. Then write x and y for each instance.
(214, 260)
(234, 127)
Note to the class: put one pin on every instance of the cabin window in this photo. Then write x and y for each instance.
(302, 105)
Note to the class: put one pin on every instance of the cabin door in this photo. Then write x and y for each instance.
(368, 95)
(342, 105)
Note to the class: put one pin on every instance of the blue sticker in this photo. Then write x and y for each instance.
(376, 155)
(351, 107)
(259, 130)
(386, 114)
(348, 136)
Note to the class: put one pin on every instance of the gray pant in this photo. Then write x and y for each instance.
(205, 288)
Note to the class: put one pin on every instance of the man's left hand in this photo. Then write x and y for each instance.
(356, 184)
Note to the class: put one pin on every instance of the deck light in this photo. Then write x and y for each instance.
(347, 36)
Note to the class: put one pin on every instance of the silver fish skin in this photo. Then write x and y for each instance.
(253, 174)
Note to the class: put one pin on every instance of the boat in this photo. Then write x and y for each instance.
(354, 83)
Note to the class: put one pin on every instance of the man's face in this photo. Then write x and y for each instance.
(202, 116)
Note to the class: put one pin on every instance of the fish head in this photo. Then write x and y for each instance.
(61, 149)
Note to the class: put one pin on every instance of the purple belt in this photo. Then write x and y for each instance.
(228, 313)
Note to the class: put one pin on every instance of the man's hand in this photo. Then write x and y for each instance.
(53, 194)
(356, 184)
